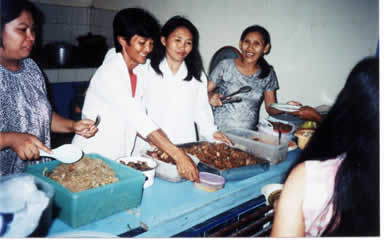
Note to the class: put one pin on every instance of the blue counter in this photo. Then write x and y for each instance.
(170, 208)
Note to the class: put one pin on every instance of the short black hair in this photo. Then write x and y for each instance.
(134, 21)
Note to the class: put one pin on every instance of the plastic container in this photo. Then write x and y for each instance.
(81, 208)
(271, 192)
(150, 174)
(303, 136)
(270, 150)
(45, 220)
(265, 126)
(210, 182)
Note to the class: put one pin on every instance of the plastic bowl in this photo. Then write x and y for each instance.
(150, 174)
(271, 192)
(210, 182)
(303, 136)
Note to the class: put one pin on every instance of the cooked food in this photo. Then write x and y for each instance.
(139, 165)
(220, 156)
(264, 141)
(87, 173)
(284, 128)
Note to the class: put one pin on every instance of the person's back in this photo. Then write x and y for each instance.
(317, 209)
(351, 129)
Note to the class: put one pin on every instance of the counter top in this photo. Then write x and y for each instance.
(60, 75)
(169, 208)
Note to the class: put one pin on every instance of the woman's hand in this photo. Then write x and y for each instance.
(186, 167)
(223, 138)
(85, 128)
(215, 99)
(25, 145)
(307, 113)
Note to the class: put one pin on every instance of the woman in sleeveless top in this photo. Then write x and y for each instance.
(334, 188)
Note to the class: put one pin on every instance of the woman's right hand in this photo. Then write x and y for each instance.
(25, 145)
(215, 99)
(186, 167)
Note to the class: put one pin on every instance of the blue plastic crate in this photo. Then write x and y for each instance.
(81, 208)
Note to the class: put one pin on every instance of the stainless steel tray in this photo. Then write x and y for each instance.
(233, 173)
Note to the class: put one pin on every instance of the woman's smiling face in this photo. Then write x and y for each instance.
(136, 51)
(178, 44)
(253, 47)
(18, 37)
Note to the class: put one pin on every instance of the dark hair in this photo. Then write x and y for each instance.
(352, 127)
(193, 60)
(265, 67)
(11, 9)
(134, 21)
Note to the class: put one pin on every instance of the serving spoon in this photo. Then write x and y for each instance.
(66, 153)
(243, 89)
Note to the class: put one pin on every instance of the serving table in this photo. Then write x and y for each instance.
(170, 208)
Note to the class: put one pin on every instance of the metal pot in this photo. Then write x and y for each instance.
(59, 54)
(92, 49)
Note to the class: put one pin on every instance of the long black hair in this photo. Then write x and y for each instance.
(263, 64)
(352, 127)
(193, 60)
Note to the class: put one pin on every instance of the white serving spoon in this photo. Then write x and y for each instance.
(66, 153)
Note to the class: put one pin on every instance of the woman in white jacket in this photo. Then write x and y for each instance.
(176, 92)
(116, 91)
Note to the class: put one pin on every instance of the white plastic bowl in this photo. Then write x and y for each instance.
(150, 174)
(269, 191)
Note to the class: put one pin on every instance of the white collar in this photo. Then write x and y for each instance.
(181, 73)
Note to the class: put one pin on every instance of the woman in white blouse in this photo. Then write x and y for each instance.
(116, 91)
(176, 88)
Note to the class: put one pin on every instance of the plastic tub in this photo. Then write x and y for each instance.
(267, 148)
(74, 208)
(210, 182)
(45, 220)
(304, 136)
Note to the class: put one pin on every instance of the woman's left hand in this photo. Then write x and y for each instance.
(221, 137)
(85, 128)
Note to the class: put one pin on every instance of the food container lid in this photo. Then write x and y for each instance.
(211, 179)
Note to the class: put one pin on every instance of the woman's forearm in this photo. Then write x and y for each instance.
(60, 124)
(160, 140)
(4, 139)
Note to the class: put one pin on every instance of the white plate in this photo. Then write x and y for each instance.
(285, 107)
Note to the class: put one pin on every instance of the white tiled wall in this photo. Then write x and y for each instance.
(65, 23)
(69, 75)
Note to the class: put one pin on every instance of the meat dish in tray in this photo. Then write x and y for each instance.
(219, 158)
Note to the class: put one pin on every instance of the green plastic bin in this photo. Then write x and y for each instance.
(81, 208)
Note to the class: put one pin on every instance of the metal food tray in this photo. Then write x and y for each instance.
(231, 174)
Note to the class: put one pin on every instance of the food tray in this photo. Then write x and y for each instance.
(74, 208)
(233, 173)
(242, 138)
(168, 171)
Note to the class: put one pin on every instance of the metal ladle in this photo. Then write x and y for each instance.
(243, 89)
